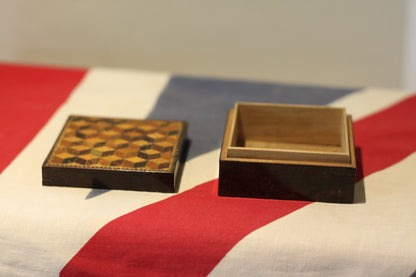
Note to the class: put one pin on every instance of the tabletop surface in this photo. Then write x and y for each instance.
(49, 231)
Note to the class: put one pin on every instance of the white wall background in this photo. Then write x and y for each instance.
(409, 48)
(329, 42)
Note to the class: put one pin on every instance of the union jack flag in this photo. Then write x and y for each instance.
(50, 231)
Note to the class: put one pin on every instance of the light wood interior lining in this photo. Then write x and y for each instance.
(289, 132)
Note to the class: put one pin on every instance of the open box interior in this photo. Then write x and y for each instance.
(289, 132)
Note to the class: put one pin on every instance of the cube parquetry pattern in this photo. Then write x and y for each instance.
(143, 145)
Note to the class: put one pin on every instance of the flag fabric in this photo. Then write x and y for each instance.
(50, 231)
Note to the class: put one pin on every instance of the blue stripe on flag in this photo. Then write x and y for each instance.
(204, 103)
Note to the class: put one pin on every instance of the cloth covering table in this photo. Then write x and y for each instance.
(50, 231)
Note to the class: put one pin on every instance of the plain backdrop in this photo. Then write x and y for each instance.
(326, 42)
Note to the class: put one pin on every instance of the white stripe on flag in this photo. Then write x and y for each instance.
(200, 169)
(369, 100)
(118, 93)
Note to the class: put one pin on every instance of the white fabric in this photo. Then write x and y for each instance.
(369, 100)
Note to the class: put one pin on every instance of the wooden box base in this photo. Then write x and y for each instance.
(314, 161)
(110, 153)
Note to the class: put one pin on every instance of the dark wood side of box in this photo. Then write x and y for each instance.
(108, 179)
(286, 181)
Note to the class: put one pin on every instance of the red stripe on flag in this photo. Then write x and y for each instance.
(29, 97)
(386, 137)
(189, 233)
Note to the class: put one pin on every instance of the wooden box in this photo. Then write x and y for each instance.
(112, 153)
(288, 152)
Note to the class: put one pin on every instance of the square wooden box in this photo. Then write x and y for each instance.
(113, 153)
(290, 152)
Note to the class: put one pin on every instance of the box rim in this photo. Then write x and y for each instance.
(227, 140)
